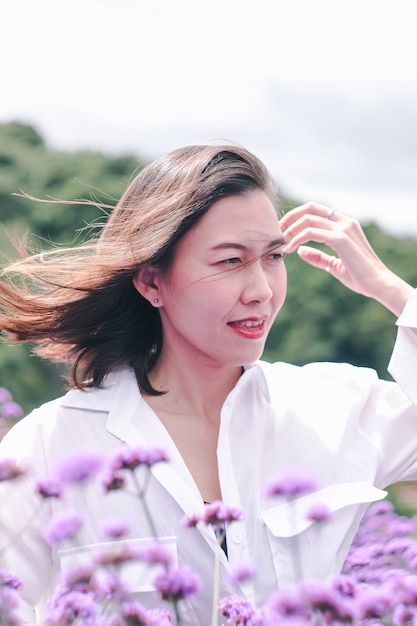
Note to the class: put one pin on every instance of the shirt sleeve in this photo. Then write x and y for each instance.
(403, 363)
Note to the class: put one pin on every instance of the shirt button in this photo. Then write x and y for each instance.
(236, 537)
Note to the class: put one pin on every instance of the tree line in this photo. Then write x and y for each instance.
(321, 320)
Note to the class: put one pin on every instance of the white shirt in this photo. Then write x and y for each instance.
(351, 431)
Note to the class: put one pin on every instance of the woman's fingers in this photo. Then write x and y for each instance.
(311, 222)
(317, 258)
(355, 264)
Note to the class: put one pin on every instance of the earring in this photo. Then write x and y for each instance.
(156, 300)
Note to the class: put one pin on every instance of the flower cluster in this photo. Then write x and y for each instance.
(378, 584)
(215, 514)
(291, 483)
(10, 411)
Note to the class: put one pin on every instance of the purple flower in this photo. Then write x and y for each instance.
(238, 611)
(215, 513)
(111, 587)
(132, 458)
(134, 614)
(5, 395)
(118, 554)
(9, 579)
(9, 470)
(241, 574)
(48, 488)
(154, 554)
(218, 513)
(326, 599)
(115, 529)
(177, 584)
(159, 617)
(11, 410)
(345, 585)
(189, 521)
(319, 512)
(8, 602)
(373, 604)
(291, 483)
(63, 526)
(79, 468)
(79, 577)
(114, 480)
(404, 615)
(68, 605)
(287, 603)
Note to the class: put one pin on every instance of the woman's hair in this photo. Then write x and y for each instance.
(78, 305)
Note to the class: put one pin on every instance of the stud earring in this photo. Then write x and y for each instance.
(156, 300)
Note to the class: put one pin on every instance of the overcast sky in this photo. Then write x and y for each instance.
(325, 91)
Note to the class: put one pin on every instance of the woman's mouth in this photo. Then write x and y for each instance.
(250, 329)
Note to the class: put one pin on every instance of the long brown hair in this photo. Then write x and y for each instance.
(78, 305)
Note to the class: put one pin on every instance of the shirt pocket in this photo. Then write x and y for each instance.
(136, 574)
(301, 548)
(291, 517)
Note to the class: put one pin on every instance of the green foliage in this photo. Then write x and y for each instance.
(27, 165)
(321, 320)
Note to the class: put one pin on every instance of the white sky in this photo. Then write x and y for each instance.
(325, 91)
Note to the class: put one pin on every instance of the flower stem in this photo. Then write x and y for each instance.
(141, 494)
(216, 580)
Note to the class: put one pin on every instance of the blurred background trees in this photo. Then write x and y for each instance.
(321, 320)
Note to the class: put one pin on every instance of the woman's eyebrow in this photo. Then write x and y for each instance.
(239, 246)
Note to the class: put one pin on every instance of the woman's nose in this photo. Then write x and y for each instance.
(257, 287)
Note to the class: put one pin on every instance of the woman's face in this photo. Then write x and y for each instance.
(226, 283)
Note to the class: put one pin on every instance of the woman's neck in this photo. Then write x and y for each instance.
(193, 388)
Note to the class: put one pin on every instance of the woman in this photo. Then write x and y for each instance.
(163, 320)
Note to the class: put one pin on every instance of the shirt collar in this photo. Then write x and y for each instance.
(259, 370)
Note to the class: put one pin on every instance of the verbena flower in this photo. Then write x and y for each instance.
(134, 614)
(11, 410)
(177, 584)
(48, 488)
(9, 470)
(115, 529)
(291, 483)
(159, 617)
(155, 553)
(319, 512)
(237, 610)
(241, 574)
(69, 605)
(114, 480)
(324, 598)
(5, 395)
(374, 604)
(79, 467)
(287, 603)
(116, 555)
(9, 579)
(215, 514)
(63, 526)
(131, 458)
(8, 604)
(404, 615)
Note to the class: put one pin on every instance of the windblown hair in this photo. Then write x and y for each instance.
(78, 305)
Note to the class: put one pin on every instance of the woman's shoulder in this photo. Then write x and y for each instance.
(312, 373)
(61, 414)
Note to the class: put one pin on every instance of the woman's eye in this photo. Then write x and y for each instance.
(231, 261)
(275, 256)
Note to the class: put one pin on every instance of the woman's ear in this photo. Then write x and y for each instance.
(145, 282)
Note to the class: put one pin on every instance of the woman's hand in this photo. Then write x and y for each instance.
(356, 264)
